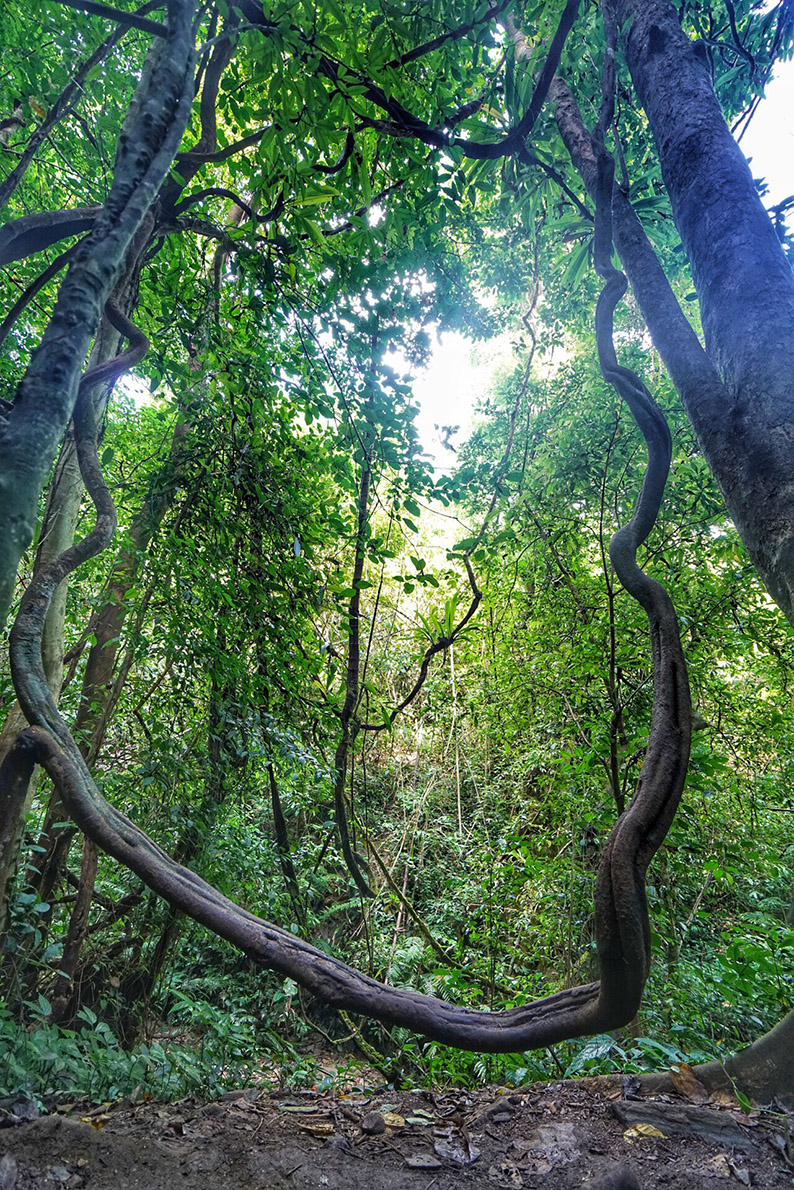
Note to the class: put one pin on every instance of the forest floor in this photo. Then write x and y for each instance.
(555, 1135)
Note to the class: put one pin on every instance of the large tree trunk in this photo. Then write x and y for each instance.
(764, 1070)
(46, 396)
(739, 391)
(745, 287)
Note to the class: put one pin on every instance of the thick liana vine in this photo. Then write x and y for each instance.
(622, 926)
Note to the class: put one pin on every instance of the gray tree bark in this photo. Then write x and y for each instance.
(739, 393)
(745, 287)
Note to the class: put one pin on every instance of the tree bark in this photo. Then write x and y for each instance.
(152, 131)
(763, 1070)
(739, 392)
(99, 693)
(61, 513)
(745, 287)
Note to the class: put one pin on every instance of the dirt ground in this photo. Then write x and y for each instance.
(554, 1135)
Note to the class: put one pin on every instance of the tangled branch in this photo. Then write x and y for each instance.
(621, 912)
(622, 926)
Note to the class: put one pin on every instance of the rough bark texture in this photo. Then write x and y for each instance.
(764, 1070)
(46, 396)
(61, 513)
(744, 284)
(739, 391)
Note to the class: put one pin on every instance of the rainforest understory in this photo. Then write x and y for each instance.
(305, 732)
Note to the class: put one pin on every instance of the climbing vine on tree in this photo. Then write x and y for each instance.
(263, 213)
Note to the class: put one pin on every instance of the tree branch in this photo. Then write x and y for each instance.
(404, 123)
(35, 286)
(129, 19)
(427, 47)
(152, 130)
(438, 646)
(684, 356)
(33, 233)
(65, 103)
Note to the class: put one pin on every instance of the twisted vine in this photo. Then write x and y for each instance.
(622, 927)
(622, 923)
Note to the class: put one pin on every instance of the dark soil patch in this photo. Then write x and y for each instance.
(556, 1135)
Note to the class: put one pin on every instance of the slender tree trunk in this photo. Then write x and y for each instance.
(77, 931)
(349, 726)
(196, 836)
(61, 513)
(100, 693)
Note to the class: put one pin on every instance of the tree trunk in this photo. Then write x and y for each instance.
(745, 287)
(764, 1070)
(59, 522)
(739, 393)
(45, 400)
(99, 693)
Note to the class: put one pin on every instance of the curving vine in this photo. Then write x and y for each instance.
(622, 926)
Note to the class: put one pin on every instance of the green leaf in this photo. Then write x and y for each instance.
(314, 198)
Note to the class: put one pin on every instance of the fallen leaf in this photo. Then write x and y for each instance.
(458, 1151)
(642, 1132)
(746, 1120)
(722, 1098)
(688, 1084)
(506, 1174)
(419, 1121)
(317, 1129)
(742, 1174)
(426, 1115)
(423, 1161)
(718, 1166)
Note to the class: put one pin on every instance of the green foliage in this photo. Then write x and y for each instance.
(42, 1062)
(284, 342)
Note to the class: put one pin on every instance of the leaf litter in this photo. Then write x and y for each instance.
(559, 1135)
